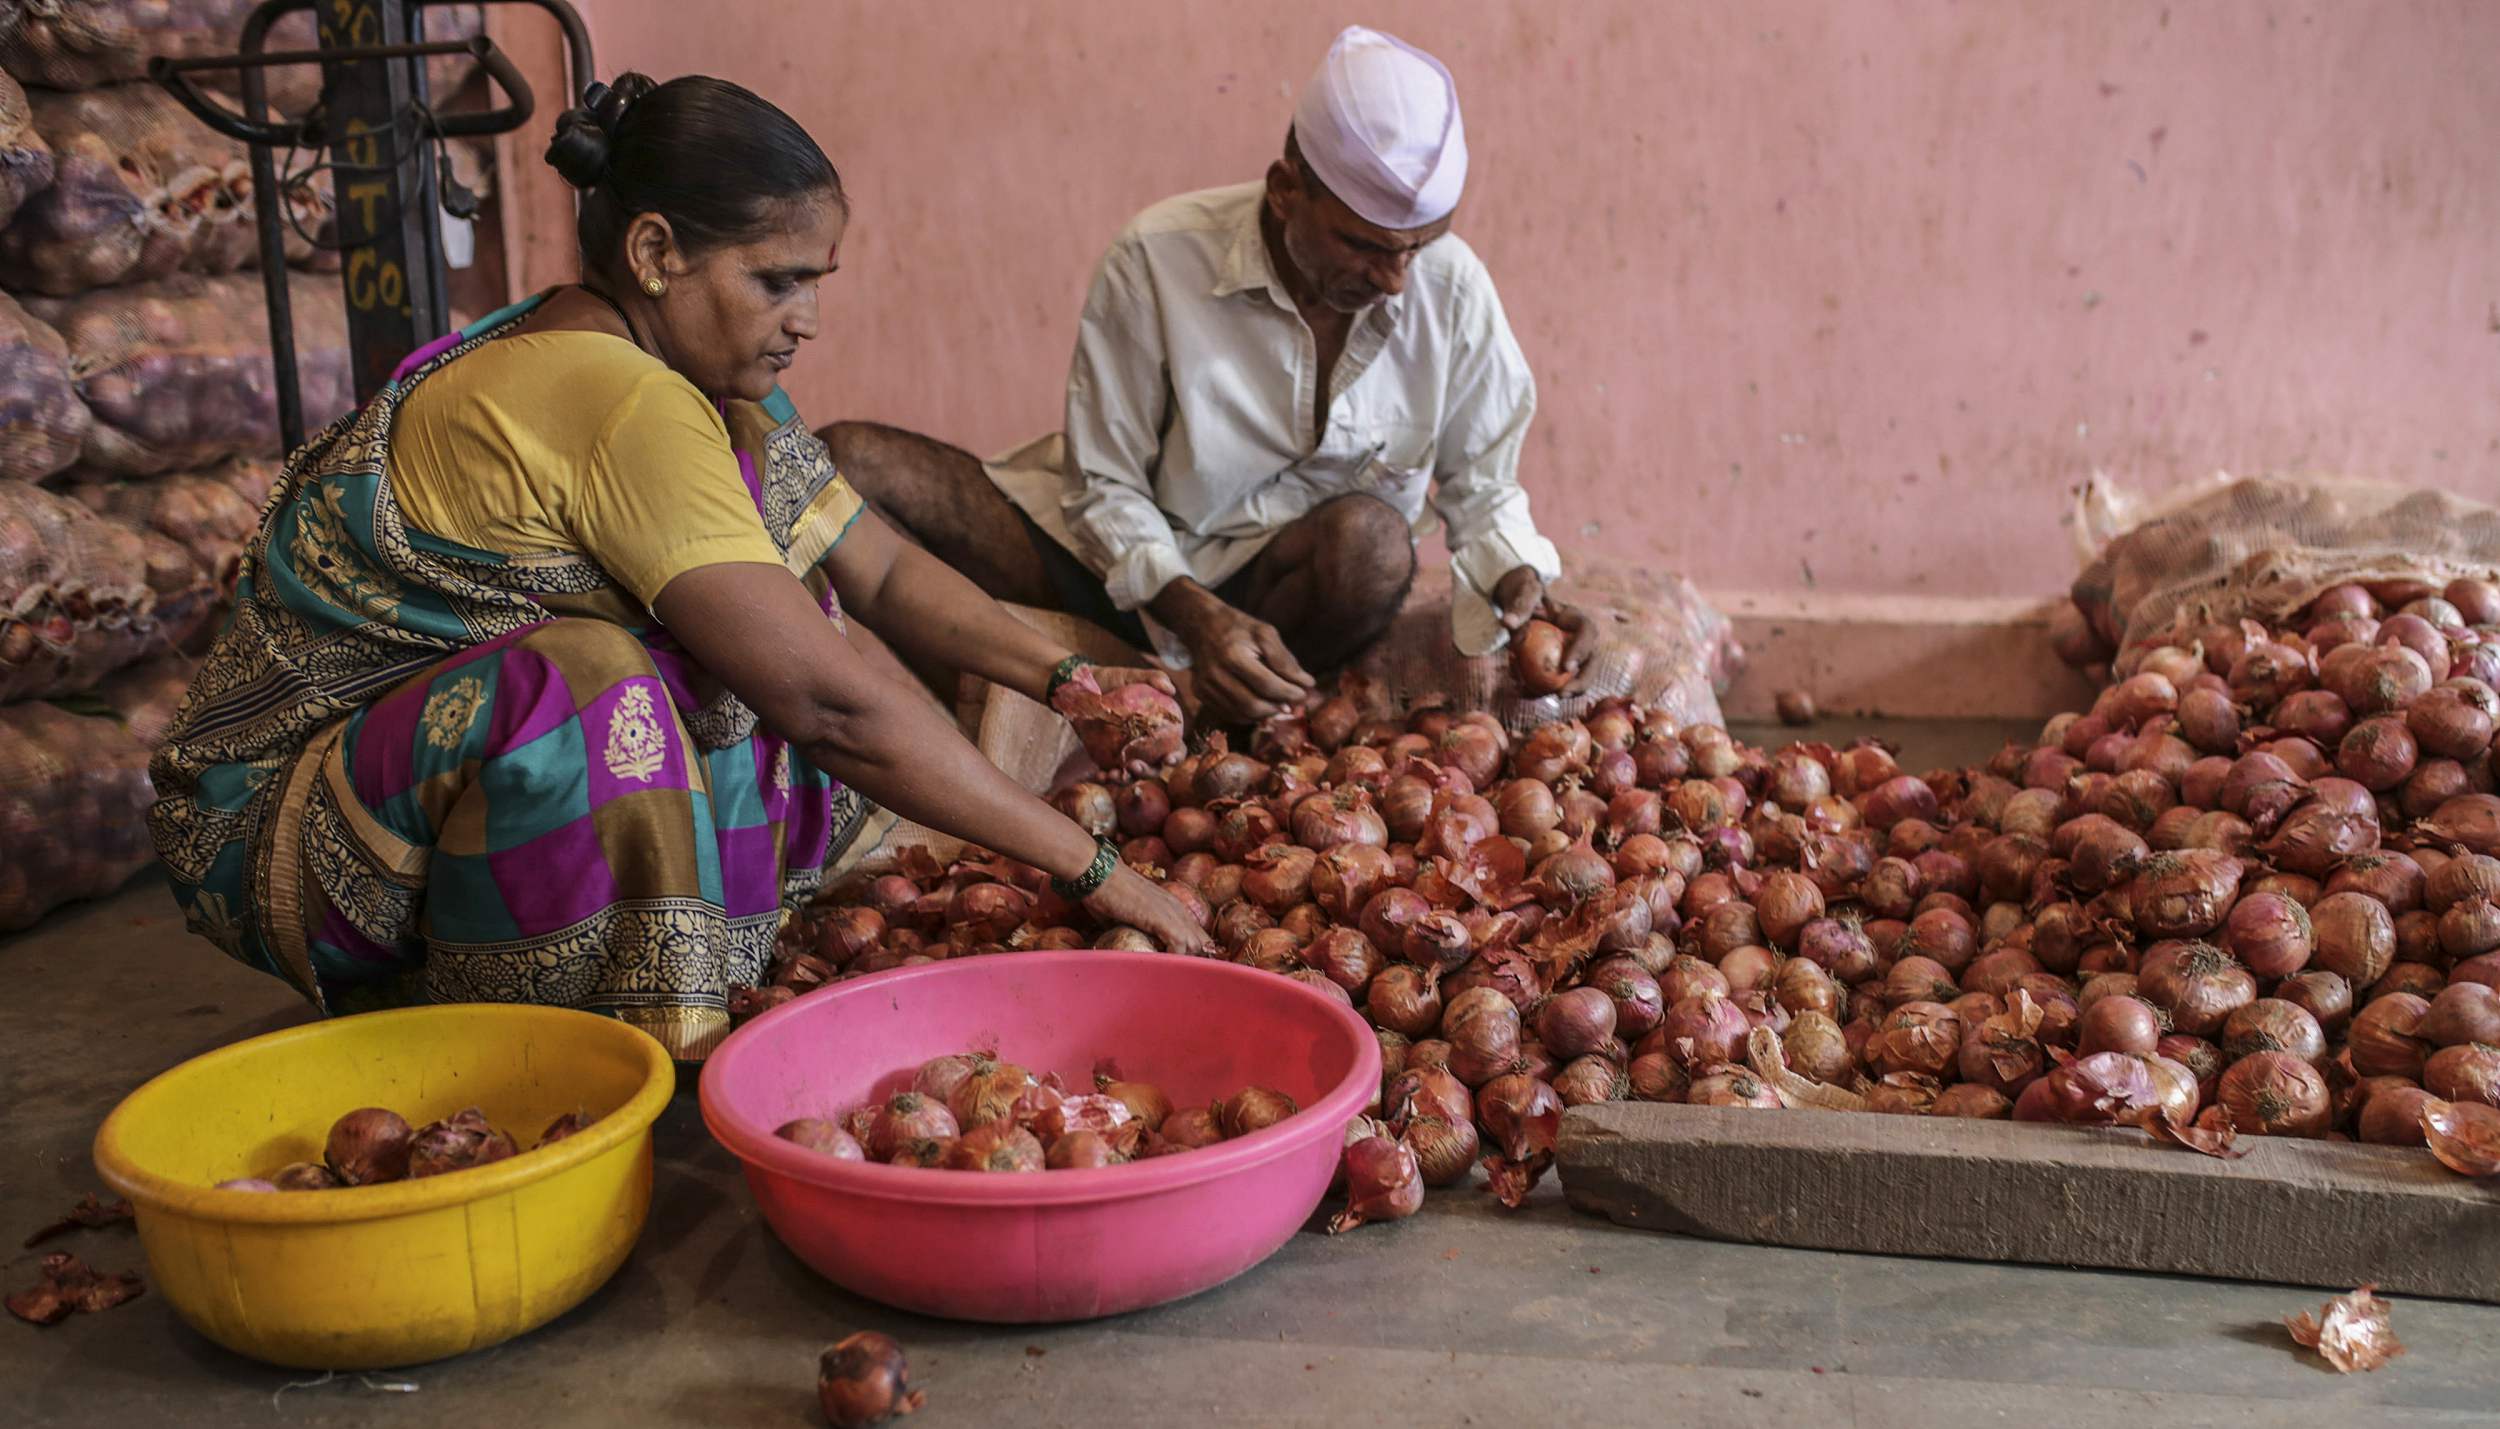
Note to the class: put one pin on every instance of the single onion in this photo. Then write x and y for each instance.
(1576, 1023)
(863, 1379)
(1538, 658)
(2097, 1090)
(2118, 1024)
(2270, 933)
(2197, 985)
(823, 1137)
(1639, 1004)
(2393, 1116)
(456, 1143)
(1445, 1150)
(1253, 1109)
(907, 1116)
(1841, 947)
(2354, 937)
(2462, 1013)
(1590, 1081)
(1731, 1086)
(1944, 935)
(2378, 754)
(1403, 999)
(1657, 1077)
(999, 1146)
(2275, 1094)
(1384, 1182)
(2386, 1038)
(2383, 677)
(1816, 1047)
(2183, 894)
(1704, 1029)
(369, 1145)
(2323, 995)
(2272, 1025)
(1749, 969)
(1090, 805)
(1973, 1102)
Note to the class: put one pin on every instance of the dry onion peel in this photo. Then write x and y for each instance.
(69, 1286)
(89, 1214)
(2465, 1136)
(2219, 1142)
(2350, 1331)
(1770, 1063)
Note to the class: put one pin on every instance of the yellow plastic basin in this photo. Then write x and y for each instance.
(411, 1271)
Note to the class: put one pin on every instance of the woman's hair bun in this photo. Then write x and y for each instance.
(585, 134)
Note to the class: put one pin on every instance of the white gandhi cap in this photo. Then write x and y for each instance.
(1379, 124)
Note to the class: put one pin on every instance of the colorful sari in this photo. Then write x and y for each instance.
(413, 771)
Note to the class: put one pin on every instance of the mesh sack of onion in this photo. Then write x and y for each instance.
(1661, 645)
(25, 160)
(74, 796)
(177, 373)
(42, 421)
(140, 190)
(82, 595)
(2220, 903)
(80, 44)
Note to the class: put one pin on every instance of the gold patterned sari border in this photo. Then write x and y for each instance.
(288, 937)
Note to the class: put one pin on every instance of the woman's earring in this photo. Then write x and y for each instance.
(654, 286)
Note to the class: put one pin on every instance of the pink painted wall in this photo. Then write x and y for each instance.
(1846, 294)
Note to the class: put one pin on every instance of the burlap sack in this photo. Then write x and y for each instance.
(2263, 547)
(42, 421)
(1662, 644)
(177, 372)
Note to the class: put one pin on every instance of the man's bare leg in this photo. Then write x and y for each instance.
(1333, 579)
(939, 497)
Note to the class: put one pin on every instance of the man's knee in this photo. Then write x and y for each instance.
(1362, 565)
(1366, 556)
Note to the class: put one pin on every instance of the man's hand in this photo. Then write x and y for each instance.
(1241, 670)
(1130, 897)
(1520, 596)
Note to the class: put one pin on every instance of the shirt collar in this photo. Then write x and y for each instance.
(1247, 265)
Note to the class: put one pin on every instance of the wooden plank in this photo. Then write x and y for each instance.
(2326, 1214)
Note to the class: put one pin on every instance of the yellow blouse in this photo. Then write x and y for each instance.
(576, 442)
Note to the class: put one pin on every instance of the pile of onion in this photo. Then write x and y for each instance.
(373, 1145)
(973, 1111)
(2259, 879)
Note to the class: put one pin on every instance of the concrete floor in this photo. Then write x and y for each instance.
(1463, 1315)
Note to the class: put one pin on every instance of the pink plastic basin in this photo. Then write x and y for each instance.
(1059, 1245)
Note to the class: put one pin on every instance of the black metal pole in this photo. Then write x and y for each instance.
(268, 210)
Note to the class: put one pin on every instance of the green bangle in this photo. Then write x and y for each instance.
(1063, 672)
(1096, 874)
